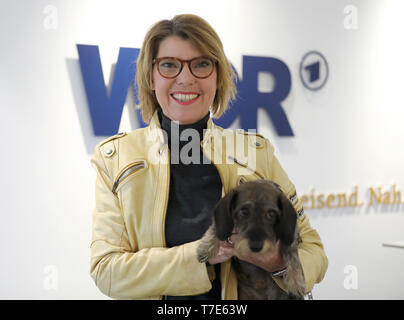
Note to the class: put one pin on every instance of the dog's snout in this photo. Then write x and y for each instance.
(256, 245)
(256, 239)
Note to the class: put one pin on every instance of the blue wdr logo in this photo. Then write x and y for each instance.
(106, 107)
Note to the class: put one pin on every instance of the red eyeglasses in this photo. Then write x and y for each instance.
(171, 67)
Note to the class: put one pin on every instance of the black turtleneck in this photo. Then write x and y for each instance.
(195, 188)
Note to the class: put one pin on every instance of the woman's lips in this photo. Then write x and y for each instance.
(185, 98)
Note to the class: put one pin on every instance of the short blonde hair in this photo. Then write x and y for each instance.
(205, 39)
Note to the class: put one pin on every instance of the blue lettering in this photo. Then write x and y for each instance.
(249, 99)
(106, 107)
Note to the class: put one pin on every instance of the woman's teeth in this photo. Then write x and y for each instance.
(184, 97)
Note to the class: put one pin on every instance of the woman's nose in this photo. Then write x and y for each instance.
(185, 77)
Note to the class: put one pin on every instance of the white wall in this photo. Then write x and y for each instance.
(348, 134)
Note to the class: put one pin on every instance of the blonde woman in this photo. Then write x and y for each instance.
(156, 186)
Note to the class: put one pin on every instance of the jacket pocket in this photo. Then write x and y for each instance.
(127, 172)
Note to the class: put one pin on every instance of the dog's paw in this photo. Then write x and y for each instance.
(208, 245)
(202, 252)
(202, 256)
(207, 249)
(294, 282)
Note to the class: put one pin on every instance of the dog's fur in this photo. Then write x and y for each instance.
(263, 215)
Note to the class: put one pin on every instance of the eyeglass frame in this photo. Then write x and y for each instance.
(157, 61)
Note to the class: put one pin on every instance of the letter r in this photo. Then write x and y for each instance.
(270, 101)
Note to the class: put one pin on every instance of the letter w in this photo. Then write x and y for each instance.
(106, 108)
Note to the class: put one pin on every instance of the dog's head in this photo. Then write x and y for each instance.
(262, 214)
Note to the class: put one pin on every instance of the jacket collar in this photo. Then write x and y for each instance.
(157, 133)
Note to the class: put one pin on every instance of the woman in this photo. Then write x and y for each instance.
(156, 186)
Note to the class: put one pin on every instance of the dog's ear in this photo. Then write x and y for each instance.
(285, 228)
(224, 215)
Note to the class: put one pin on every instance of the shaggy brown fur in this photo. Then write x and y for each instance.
(263, 215)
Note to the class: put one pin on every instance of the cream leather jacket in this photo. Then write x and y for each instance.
(129, 258)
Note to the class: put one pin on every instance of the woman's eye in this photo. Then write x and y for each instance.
(168, 65)
(202, 64)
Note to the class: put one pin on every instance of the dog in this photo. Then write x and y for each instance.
(262, 215)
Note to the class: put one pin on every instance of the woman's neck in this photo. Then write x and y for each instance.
(174, 130)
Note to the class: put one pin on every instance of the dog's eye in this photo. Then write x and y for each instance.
(243, 212)
(270, 215)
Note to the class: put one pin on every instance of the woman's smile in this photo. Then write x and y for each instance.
(185, 98)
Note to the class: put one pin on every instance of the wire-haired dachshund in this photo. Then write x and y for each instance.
(263, 215)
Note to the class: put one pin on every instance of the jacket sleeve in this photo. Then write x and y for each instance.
(123, 273)
(311, 251)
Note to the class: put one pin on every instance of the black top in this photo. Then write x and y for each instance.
(195, 188)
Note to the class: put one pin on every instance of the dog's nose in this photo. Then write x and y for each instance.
(255, 246)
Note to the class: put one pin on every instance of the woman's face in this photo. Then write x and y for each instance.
(185, 98)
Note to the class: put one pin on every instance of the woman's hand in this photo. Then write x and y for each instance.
(270, 261)
(226, 251)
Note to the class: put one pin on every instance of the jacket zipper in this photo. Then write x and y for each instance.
(227, 275)
(163, 230)
(167, 195)
(126, 172)
(245, 166)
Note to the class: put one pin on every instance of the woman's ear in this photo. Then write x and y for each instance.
(223, 215)
(285, 228)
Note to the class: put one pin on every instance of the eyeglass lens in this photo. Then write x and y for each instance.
(199, 67)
